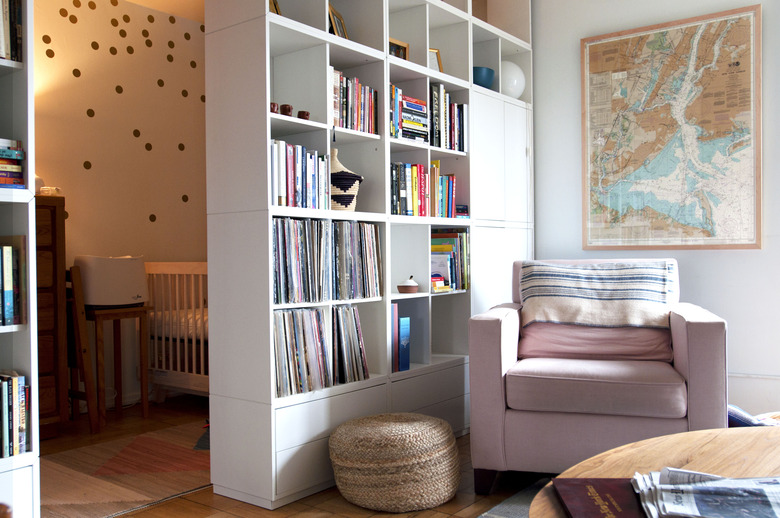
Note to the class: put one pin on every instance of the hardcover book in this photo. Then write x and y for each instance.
(404, 343)
(598, 497)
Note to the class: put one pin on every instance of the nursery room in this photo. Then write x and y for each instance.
(270, 315)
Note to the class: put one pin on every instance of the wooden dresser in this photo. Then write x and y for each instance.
(52, 314)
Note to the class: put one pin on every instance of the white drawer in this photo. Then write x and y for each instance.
(314, 420)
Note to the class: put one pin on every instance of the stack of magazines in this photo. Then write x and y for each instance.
(676, 492)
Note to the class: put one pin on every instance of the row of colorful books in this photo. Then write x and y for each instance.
(308, 358)
(449, 259)
(357, 261)
(11, 170)
(319, 260)
(12, 310)
(14, 414)
(408, 116)
(354, 103)
(300, 177)
(419, 191)
(11, 30)
(302, 260)
(400, 331)
(449, 120)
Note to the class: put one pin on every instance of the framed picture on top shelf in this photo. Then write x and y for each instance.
(398, 48)
(434, 60)
(337, 25)
(273, 6)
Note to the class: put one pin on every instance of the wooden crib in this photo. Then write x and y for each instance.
(178, 327)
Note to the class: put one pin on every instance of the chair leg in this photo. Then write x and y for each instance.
(484, 480)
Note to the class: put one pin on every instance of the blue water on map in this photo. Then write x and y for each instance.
(625, 195)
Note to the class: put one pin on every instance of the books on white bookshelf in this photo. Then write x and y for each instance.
(309, 358)
(300, 177)
(14, 413)
(354, 103)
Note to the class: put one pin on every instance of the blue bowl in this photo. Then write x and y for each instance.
(483, 76)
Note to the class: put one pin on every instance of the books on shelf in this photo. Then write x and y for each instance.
(308, 358)
(12, 259)
(300, 177)
(419, 191)
(449, 120)
(408, 116)
(354, 103)
(400, 332)
(11, 168)
(15, 410)
(357, 260)
(11, 30)
(450, 259)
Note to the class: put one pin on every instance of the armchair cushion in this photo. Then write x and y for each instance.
(608, 387)
(608, 294)
(546, 340)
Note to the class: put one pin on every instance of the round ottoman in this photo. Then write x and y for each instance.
(395, 462)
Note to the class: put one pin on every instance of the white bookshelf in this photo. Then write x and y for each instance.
(269, 450)
(20, 474)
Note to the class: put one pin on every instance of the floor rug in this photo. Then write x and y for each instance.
(113, 477)
(517, 505)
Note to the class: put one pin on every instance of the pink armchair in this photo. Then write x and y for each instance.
(589, 355)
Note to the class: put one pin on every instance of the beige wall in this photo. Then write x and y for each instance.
(120, 127)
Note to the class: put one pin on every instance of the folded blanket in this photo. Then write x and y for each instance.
(599, 294)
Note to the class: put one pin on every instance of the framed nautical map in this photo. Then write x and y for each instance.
(671, 134)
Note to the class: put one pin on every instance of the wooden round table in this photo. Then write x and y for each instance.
(729, 452)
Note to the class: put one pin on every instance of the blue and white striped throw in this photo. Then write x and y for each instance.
(612, 294)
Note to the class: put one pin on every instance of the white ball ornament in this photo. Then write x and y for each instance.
(512, 79)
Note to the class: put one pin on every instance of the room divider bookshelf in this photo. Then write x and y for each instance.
(270, 447)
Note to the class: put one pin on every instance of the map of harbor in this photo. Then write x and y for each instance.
(671, 136)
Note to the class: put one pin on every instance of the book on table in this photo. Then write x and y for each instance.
(598, 497)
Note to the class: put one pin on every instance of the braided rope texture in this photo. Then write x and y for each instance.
(395, 462)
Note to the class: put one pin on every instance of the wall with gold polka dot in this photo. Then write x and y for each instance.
(120, 127)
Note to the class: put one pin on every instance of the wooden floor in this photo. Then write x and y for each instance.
(326, 504)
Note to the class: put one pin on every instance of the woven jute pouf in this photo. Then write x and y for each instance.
(396, 462)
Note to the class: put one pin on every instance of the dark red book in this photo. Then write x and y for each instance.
(598, 497)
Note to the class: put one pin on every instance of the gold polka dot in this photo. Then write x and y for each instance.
(126, 18)
(90, 112)
(152, 218)
(123, 33)
(171, 44)
(72, 18)
(148, 43)
(172, 19)
(136, 133)
(203, 98)
(92, 5)
(187, 36)
(160, 83)
(76, 3)
(87, 164)
(202, 28)
(114, 2)
(76, 72)
(181, 147)
(130, 49)
(184, 93)
(46, 39)
(64, 12)
(95, 45)
(49, 53)
(193, 64)
(150, 18)
(185, 198)
(148, 146)
(119, 89)
(169, 58)
(114, 22)
(66, 214)
(145, 33)
(112, 50)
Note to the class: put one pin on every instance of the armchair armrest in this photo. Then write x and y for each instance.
(699, 346)
(493, 341)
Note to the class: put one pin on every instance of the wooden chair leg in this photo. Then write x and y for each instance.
(83, 358)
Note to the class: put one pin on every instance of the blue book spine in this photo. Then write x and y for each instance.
(404, 343)
(8, 285)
